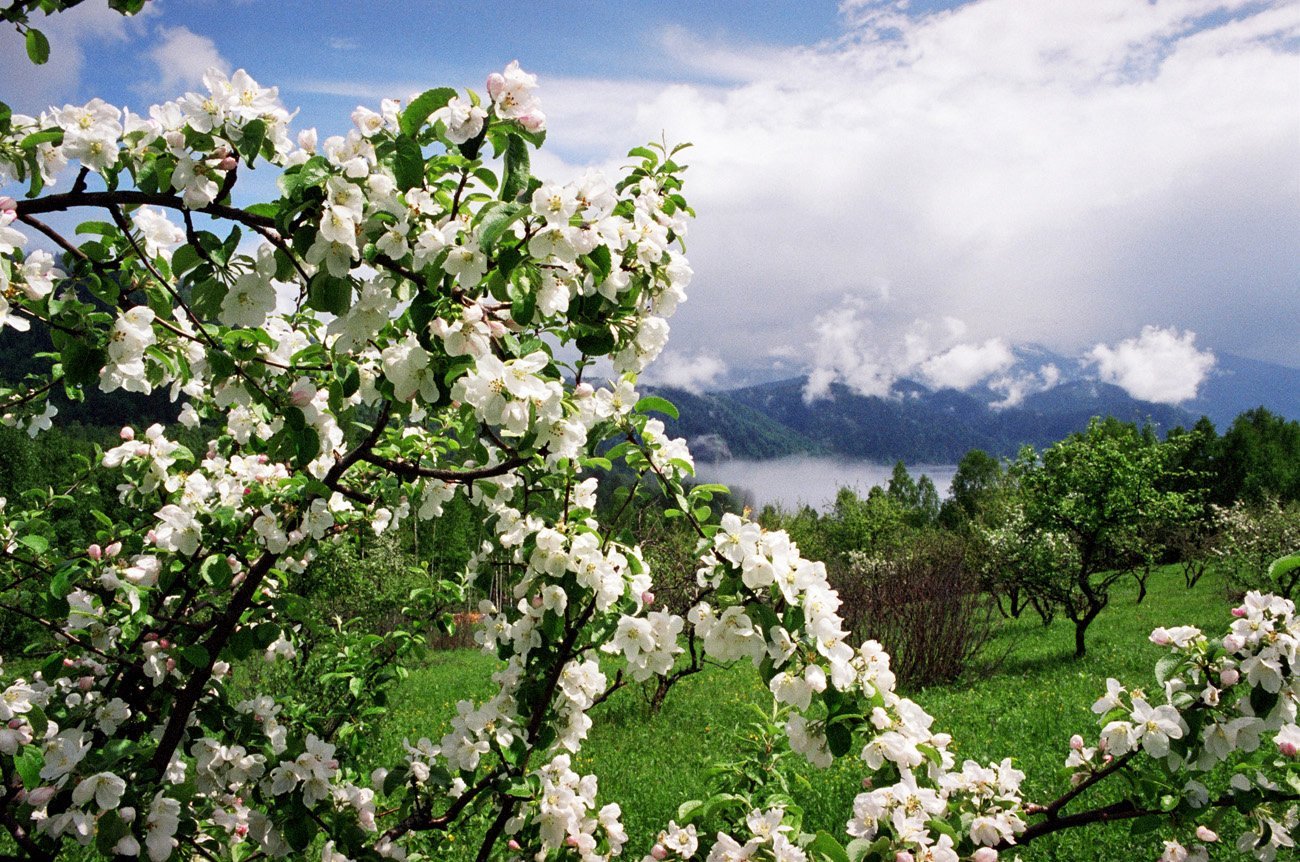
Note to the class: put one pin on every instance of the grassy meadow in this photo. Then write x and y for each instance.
(1026, 701)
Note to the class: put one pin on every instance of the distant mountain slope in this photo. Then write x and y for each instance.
(1238, 384)
(939, 427)
(720, 427)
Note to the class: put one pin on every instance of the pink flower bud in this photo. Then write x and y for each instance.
(86, 683)
(1160, 637)
(572, 841)
(647, 598)
(512, 844)
(537, 601)
(151, 537)
(8, 204)
(1234, 643)
(904, 856)
(95, 552)
(113, 550)
(229, 163)
(127, 433)
(1206, 834)
(127, 813)
(171, 665)
(241, 830)
(151, 636)
(495, 82)
(164, 643)
(1288, 749)
(583, 390)
(1238, 612)
(15, 723)
(659, 851)
(1076, 743)
(532, 122)
(302, 393)
(1229, 677)
(867, 784)
(40, 796)
(67, 662)
(984, 854)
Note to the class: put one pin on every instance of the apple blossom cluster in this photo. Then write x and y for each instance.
(1217, 701)
(807, 658)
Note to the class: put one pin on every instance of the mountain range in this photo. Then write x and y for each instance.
(916, 423)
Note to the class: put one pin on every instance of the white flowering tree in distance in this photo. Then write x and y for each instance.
(416, 318)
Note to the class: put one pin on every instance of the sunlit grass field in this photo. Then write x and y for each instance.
(1026, 701)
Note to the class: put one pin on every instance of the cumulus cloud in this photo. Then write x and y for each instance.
(1160, 365)
(1046, 172)
(964, 365)
(694, 373)
(853, 348)
(182, 58)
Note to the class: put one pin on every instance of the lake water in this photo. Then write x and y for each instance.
(791, 482)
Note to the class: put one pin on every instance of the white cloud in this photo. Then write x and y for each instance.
(182, 58)
(1046, 172)
(30, 89)
(1160, 365)
(1016, 386)
(695, 373)
(964, 365)
(851, 347)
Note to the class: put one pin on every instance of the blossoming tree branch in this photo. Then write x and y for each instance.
(417, 318)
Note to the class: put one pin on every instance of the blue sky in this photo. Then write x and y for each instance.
(883, 189)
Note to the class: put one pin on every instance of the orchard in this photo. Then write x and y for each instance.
(417, 319)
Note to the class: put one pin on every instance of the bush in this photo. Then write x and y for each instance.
(924, 605)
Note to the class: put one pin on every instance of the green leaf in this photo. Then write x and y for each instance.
(38, 47)
(1284, 566)
(37, 544)
(524, 281)
(194, 655)
(597, 343)
(421, 107)
(216, 571)
(687, 811)
(408, 166)
(110, 829)
(35, 139)
(1262, 702)
(327, 293)
(251, 143)
(184, 259)
(495, 223)
(28, 763)
(1148, 823)
(517, 168)
(1166, 666)
(655, 404)
(825, 846)
(839, 739)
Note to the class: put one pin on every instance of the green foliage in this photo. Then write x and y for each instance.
(1102, 493)
(1260, 458)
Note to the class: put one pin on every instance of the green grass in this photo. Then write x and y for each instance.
(1034, 698)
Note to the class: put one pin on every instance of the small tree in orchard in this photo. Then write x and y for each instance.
(1101, 489)
(414, 319)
